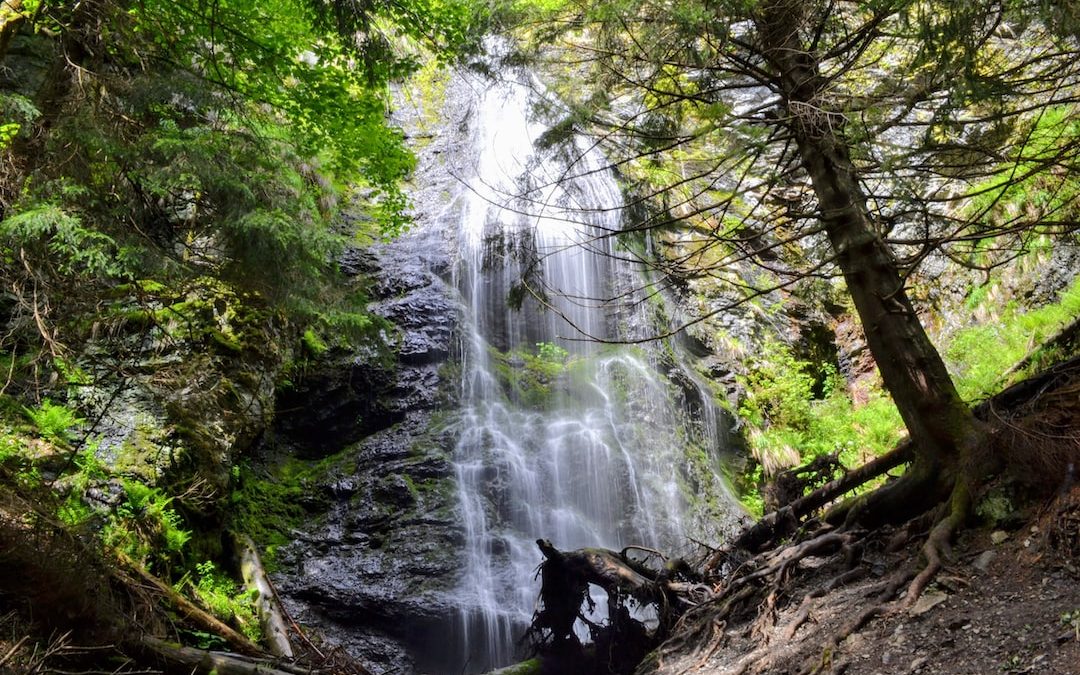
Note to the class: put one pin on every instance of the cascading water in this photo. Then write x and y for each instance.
(560, 438)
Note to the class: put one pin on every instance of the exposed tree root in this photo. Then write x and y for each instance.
(822, 545)
(751, 580)
(939, 544)
(748, 583)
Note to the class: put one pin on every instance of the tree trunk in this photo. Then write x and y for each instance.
(943, 430)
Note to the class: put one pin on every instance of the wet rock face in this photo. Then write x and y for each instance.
(375, 572)
(340, 402)
(354, 394)
(174, 406)
(378, 570)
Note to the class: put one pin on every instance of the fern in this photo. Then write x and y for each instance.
(73, 248)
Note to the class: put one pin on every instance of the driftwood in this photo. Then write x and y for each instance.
(271, 618)
(566, 576)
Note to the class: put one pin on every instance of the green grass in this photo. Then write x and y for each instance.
(980, 357)
(789, 426)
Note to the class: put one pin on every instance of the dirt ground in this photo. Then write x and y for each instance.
(1008, 603)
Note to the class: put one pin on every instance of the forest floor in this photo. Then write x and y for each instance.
(1008, 603)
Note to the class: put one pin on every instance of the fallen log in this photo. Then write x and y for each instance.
(222, 663)
(190, 611)
(778, 524)
(271, 618)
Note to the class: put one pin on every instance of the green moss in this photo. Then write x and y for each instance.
(268, 504)
(266, 508)
(533, 666)
(145, 452)
(411, 486)
(226, 340)
(996, 506)
(531, 378)
(204, 311)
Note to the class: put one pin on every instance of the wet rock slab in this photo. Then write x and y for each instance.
(376, 571)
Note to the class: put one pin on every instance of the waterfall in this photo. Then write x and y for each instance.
(559, 437)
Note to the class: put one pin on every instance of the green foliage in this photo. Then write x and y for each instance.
(779, 389)
(314, 344)
(145, 527)
(61, 236)
(980, 356)
(224, 598)
(342, 321)
(8, 132)
(748, 486)
(54, 421)
(211, 140)
(1019, 190)
(73, 511)
(16, 463)
(551, 352)
(328, 109)
(789, 425)
(71, 373)
(17, 113)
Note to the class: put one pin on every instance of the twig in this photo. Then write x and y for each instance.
(11, 652)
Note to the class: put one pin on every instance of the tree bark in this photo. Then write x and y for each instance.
(271, 618)
(942, 427)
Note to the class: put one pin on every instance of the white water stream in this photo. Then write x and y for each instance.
(573, 441)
